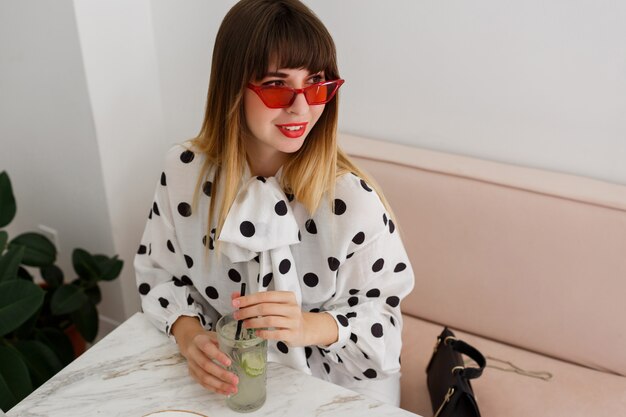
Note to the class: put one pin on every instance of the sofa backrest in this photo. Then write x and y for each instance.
(528, 257)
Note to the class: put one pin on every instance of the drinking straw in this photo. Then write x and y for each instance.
(240, 322)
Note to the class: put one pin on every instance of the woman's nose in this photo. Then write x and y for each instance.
(299, 105)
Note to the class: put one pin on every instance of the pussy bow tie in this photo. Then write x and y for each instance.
(261, 223)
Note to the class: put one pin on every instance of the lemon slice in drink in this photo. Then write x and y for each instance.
(253, 363)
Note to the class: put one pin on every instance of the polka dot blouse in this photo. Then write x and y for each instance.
(346, 260)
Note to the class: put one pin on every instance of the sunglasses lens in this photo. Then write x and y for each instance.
(320, 94)
(277, 96)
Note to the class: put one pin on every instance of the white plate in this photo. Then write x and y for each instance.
(174, 413)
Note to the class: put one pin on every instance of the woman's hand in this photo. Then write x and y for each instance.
(280, 311)
(200, 348)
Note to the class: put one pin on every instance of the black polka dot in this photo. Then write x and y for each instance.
(187, 157)
(167, 329)
(202, 319)
(378, 265)
(310, 226)
(352, 301)
(177, 281)
(393, 322)
(359, 238)
(211, 292)
(339, 207)
(186, 280)
(339, 359)
(256, 258)
(357, 378)
(299, 236)
(308, 351)
(155, 209)
(184, 209)
(267, 279)
(285, 266)
(281, 208)
(370, 373)
(365, 355)
(353, 337)
(150, 215)
(353, 291)
(144, 289)
(400, 267)
(170, 246)
(393, 301)
(211, 243)
(262, 179)
(392, 226)
(377, 330)
(351, 314)
(142, 250)
(149, 248)
(234, 275)
(290, 196)
(349, 255)
(163, 180)
(188, 261)
(282, 347)
(327, 367)
(247, 229)
(189, 300)
(207, 187)
(365, 186)
(373, 293)
(342, 319)
(204, 240)
(333, 263)
(164, 303)
(385, 218)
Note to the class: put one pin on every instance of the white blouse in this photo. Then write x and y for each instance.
(348, 262)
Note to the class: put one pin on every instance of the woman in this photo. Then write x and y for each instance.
(264, 196)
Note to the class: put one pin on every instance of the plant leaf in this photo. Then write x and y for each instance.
(39, 250)
(94, 294)
(10, 262)
(85, 265)
(67, 299)
(42, 363)
(59, 342)
(110, 268)
(22, 273)
(86, 320)
(4, 237)
(15, 383)
(19, 300)
(7, 200)
(53, 275)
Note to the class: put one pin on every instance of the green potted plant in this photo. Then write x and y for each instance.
(38, 319)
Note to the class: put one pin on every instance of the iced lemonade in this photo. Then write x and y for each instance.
(249, 359)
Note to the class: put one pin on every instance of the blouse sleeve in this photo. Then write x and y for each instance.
(162, 271)
(372, 281)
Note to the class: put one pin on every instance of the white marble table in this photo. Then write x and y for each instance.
(136, 370)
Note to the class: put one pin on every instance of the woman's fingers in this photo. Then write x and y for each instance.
(283, 297)
(269, 321)
(209, 381)
(208, 346)
(200, 359)
(267, 309)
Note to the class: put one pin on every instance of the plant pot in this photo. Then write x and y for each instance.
(78, 343)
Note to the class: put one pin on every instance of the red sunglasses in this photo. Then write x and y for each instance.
(278, 97)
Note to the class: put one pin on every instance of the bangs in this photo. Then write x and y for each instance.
(293, 41)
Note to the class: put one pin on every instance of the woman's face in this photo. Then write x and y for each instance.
(277, 132)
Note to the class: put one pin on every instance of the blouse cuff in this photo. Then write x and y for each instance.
(171, 319)
(344, 331)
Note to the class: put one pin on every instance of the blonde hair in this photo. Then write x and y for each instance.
(253, 34)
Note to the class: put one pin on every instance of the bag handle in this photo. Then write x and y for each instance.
(468, 350)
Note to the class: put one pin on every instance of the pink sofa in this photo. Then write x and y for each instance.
(527, 265)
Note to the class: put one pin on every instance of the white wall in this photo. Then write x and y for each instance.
(93, 93)
(534, 83)
(47, 140)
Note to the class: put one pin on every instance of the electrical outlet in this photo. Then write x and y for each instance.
(51, 234)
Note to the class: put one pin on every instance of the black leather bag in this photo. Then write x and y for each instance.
(448, 378)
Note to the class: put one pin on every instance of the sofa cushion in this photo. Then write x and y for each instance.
(573, 391)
